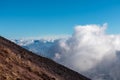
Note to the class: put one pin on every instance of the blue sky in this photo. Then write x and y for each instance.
(31, 18)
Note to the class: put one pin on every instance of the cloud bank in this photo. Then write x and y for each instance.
(89, 51)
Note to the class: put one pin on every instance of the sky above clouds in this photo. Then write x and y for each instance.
(32, 18)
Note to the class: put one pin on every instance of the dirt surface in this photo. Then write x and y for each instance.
(16, 63)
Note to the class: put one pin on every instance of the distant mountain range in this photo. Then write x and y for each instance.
(41, 47)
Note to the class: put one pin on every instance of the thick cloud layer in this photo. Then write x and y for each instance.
(89, 51)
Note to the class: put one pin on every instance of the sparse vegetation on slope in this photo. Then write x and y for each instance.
(17, 63)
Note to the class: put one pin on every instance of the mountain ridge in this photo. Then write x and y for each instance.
(18, 63)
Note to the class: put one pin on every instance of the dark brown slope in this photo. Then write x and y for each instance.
(17, 63)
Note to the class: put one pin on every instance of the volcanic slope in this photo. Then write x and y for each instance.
(17, 63)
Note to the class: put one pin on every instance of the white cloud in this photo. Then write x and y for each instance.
(88, 49)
